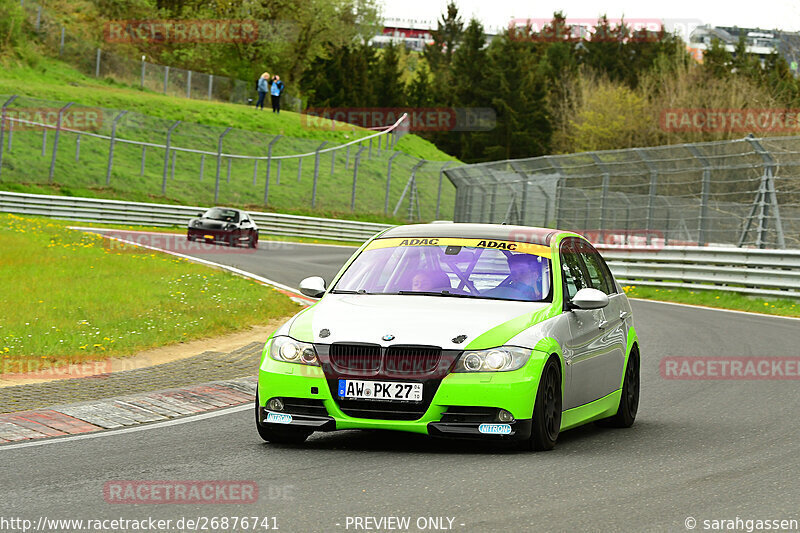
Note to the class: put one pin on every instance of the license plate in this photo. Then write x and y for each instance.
(380, 390)
(208, 237)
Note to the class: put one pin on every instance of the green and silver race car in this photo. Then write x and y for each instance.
(456, 330)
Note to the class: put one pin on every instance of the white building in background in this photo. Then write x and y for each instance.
(758, 42)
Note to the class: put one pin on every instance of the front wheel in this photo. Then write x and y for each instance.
(546, 422)
(629, 401)
(279, 435)
(253, 241)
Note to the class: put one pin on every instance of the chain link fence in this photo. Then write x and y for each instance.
(117, 153)
(80, 51)
(744, 192)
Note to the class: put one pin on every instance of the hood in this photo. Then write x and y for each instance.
(208, 223)
(428, 320)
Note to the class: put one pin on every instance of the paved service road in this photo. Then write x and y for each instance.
(701, 449)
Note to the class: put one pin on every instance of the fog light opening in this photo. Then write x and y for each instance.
(275, 404)
(505, 416)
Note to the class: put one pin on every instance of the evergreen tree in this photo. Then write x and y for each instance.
(388, 87)
(438, 55)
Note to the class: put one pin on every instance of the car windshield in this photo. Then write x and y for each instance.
(226, 215)
(466, 268)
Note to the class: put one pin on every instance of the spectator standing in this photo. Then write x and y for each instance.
(276, 91)
(263, 89)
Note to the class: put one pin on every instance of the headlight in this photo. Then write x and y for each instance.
(288, 350)
(502, 359)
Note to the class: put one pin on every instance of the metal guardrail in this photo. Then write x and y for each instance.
(145, 214)
(773, 273)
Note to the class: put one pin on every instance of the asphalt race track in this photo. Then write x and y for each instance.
(700, 449)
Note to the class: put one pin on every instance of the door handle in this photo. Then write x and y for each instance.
(603, 324)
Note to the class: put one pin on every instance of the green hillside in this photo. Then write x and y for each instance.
(49, 84)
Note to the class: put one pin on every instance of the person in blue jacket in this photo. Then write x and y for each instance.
(276, 91)
(263, 89)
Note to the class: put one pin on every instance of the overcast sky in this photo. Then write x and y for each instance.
(766, 14)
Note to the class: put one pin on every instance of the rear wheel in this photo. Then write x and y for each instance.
(546, 422)
(279, 435)
(629, 401)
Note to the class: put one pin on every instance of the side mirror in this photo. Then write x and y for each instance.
(200, 215)
(314, 287)
(589, 299)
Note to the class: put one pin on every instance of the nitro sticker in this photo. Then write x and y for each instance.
(495, 429)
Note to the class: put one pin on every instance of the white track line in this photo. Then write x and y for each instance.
(750, 313)
(133, 429)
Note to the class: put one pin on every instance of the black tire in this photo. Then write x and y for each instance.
(280, 435)
(253, 241)
(629, 401)
(546, 422)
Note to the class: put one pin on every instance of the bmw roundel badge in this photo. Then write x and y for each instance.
(388, 337)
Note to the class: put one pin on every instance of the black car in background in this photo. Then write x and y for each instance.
(225, 225)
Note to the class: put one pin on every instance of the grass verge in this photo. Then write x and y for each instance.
(68, 298)
(718, 299)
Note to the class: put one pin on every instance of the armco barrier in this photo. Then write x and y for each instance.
(759, 272)
(742, 270)
(145, 214)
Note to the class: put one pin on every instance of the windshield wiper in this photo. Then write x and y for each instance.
(359, 291)
(435, 293)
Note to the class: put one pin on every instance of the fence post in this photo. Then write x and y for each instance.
(347, 158)
(388, 183)
(278, 172)
(38, 18)
(97, 64)
(765, 198)
(61, 43)
(651, 196)
(316, 175)
(3, 127)
(78, 147)
(144, 154)
(355, 177)
(111, 145)
(370, 149)
(55, 140)
(408, 184)
(189, 84)
(604, 198)
(269, 164)
(166, 78)
(143, 64)
(299, 168)
(219, 159)
(439, 192)
(703, 222)
(210, 85)
(166, 157)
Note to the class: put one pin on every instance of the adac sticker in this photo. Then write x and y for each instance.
(495, 429)
(511, 246)
(279, 418)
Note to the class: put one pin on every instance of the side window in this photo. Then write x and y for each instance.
(572, 269)
(599, 275)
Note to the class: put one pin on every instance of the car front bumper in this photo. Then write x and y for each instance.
(513, 391)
